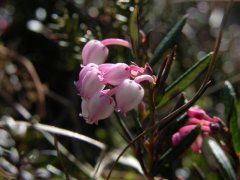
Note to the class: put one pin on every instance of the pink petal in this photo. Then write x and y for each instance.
(114, 74)
(176, 138)
(196, 112)
(100, 106)
(85, 69)
(84, 113)
(128, 95)
(186, 129)
(197, 144)
(193, 121)
(144, 77)
(94, 52)
(91, 84)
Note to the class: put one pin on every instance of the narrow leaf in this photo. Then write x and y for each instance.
(222, 159)
(168, 40)
(231, 115)
(184, 80)
(134, 29)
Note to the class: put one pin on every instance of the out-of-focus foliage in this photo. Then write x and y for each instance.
(39, 88)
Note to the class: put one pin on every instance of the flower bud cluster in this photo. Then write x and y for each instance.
(197, 116)
(105, 87)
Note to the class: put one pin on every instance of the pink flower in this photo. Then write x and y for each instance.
(90, 81)
(94, 52)
(99, 106)
(130, 93)
(114, 74)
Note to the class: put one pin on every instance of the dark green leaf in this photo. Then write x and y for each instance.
(222, 159)
(231, 115)
(168, 41)
(178, 149)
(184, 80)
(134, 29)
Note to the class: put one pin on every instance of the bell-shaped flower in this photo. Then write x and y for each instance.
(128, 95)
(99, 106)
(85, 69)
(114, 74)
(94, 52)
(90, 82)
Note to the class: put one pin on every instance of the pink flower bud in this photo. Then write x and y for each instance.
(89, 82)
(114, 74)
(193, 121)
(99, 106)
(196, 112)
(128, 95)
(186, 129)
(176, 138)
(197, 144)
(94, 52)
(200, 114)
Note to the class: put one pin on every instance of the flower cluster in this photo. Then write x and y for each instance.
(197, 116)
(105, 87)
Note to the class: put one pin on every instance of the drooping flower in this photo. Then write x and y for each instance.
(97, 102)
(99, 106)
(130, 93)
(114, 74)
(90, 81)
(94, 52)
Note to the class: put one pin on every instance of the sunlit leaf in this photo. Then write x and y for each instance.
(184, 80)
(231, 115)
(222, 159)
(168, 41)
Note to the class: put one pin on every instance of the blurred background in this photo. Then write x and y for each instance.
(40, 57)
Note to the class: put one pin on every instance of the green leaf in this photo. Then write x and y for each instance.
(231, 115)
(184, 80)
(134, 29)
(168, 41)
(177, 150)
(222, 159)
